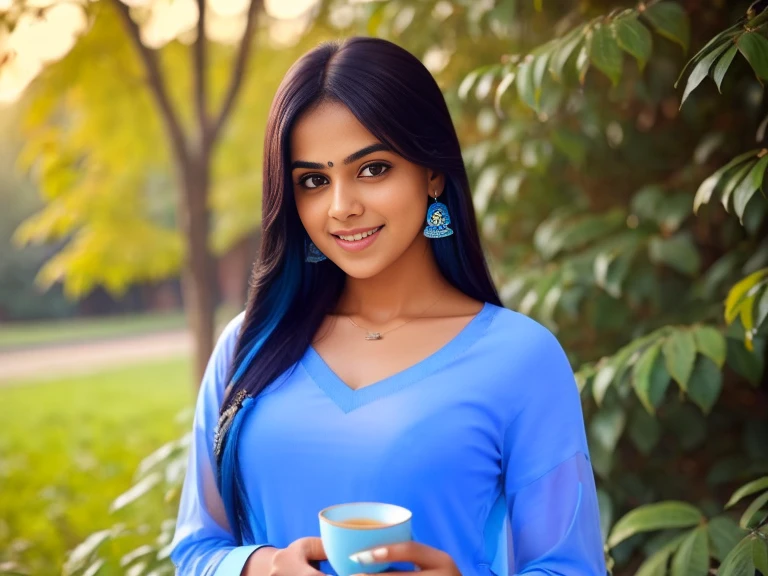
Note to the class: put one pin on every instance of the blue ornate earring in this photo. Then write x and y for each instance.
(438, 220)
(312, 253)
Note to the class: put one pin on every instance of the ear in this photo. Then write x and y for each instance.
(435, 183)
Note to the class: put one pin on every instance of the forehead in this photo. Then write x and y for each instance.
(328, 132)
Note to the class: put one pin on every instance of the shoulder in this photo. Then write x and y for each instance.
(527, 352)
(231, 331)
(224, 353)
(509, 327)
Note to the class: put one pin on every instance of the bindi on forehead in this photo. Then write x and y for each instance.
(362, 153)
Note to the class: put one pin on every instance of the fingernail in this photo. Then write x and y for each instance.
(364, 557)
(369, 556)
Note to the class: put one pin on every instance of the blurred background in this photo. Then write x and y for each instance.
(617, 152)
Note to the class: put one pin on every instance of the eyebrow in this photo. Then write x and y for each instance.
(378, 147)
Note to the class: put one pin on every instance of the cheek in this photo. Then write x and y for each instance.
(403, 205)
(310, 211)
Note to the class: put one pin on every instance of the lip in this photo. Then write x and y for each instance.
(354, 231)
(357, 245)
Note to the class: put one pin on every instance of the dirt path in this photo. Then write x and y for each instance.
(87, 357)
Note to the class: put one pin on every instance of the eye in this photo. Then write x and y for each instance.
(376, 169)
(312, 181)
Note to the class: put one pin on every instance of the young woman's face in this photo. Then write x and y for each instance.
(362, 205)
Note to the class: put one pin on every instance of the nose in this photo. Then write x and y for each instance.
(344, 202)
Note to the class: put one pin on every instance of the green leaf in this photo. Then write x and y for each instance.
(524, 82)
(605, 505)
(754, 47)
(692, 558)
(724, 534)
(747, 490)
(468, 82)
(739, 292)
(679, 355)
(82, 554)
(751, 183)
(761, 310)
(678, 252)
(722, 66)
(501, 89)
(602, 381)
(739, 562)
(722, 37)
(733, 181)
(539, 69)
(650, 377)
(136, 491)
(704, 193)
(701, 70)
(671, 514)
(706, 383)
(711, 343)
(604, 52)
(582, 63)
(747, 363)
(634, 38)
(644, 430)
(756, 505)
(606, 427)
(670, 20)
(656, 564)
(564, 51)
(760, 555)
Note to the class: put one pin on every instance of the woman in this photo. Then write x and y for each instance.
(375, 362)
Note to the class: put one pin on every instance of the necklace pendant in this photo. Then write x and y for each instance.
(373, 336)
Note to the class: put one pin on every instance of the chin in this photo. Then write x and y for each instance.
(363, 269)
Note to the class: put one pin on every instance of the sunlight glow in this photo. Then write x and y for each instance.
(37, 40)
(288, 9)
(229, 7)
(168, 20)
(34, 41)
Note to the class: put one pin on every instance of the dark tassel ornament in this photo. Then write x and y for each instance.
(225, 422)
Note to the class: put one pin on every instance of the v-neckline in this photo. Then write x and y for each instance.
(348, 399)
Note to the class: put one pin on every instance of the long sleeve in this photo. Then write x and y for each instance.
(548, 480)
(203, 544)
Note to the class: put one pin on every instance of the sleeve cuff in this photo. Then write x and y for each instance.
(234, 561)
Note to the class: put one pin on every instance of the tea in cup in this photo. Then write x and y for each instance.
(346, 529)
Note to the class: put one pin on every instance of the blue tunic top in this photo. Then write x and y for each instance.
(483, 441)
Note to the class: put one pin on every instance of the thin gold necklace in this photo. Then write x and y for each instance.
(379, 335)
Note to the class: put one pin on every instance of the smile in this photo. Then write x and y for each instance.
(357, 237)
(359, 241)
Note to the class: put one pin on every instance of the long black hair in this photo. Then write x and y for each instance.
(396, 98)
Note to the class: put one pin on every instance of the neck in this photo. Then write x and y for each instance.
(404, 289)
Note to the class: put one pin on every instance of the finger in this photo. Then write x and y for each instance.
(312, 548)
(425, 557)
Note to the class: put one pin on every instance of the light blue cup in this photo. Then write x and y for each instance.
(341, 540)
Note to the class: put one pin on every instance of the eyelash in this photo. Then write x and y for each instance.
(303, 179)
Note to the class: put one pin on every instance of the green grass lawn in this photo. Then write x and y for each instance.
(25, 334)
(68, 447)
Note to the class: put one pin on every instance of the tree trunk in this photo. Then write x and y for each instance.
(193, 167)
(199, 273)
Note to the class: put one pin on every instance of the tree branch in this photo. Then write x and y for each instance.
(200, 75)
(241, 62)
(155, 81)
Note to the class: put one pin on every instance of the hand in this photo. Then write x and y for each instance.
(295, 560)
(430, 561)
